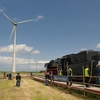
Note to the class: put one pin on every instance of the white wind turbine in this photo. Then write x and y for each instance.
(14, 45)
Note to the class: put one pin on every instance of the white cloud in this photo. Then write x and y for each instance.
(98, 45)
(24, 61)
(20, 48)
(5, 60)
(6, 49)
(39, 17)
(8, 60)
(1, 10)
(22, 64)
(36, 19)
(36, 52)
(42, 62)
(83, 49)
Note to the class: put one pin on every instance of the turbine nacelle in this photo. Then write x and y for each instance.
(15, 24)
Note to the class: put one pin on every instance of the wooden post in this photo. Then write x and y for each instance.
(91, 66)
(83, 80)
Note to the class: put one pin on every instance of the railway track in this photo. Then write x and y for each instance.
(76, 85)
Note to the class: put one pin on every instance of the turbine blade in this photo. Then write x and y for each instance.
(12, 32)
(9, 18)
(25, 21)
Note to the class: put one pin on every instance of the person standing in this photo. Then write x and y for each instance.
(45, 72)
(60, 74)
(4, 74)
(18, 79)
(97, 73)
(10, 76)
(69, 74)
(7, 76)
(47, 78)
(51, 76)
(31, 74)
(86, 73)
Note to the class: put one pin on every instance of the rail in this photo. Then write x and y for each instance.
(61, 81)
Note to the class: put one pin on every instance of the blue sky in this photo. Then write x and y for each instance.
(62, 27)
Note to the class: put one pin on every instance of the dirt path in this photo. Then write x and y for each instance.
(31, 90)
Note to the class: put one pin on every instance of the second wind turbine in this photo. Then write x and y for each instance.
(14, 45)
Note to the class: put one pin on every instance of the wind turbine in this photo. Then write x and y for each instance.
(14, 45)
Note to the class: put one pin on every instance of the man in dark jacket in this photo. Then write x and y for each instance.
(47, 76)
(18, 79)
(10, 76)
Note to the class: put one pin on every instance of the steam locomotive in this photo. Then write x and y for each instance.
(76, 62)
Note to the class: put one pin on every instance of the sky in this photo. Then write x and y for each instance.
(60, 27)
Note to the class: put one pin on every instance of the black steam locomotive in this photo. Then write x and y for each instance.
(76, 62)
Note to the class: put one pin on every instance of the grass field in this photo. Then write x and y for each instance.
(30, 90)
(33, 90)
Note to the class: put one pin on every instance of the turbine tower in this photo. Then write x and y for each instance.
(14, 45)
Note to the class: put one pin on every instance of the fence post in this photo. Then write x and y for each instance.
(83, 80)
(91, 66)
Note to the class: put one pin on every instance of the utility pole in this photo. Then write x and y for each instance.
(29, 63)
(36, 66)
